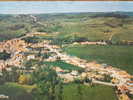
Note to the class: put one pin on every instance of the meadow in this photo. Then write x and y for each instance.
(63, 65)
(117, 56)
(82, 92)
(115, 27)
(16, 91)
(71, 91)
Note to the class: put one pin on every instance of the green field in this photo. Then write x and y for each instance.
(63, 65)
(91, 26)
(117, 56)
(16, 91)
(82, 92)
(71, 91)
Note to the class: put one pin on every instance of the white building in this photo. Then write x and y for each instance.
(29, 57)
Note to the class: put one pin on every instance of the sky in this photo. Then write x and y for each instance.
(38, 7)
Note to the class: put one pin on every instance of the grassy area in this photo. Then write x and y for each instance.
(16, 91)
(70, 26)
(28, 88)
(63, 65)
(82, 92)
(71, 91)
(100, 28)
(117, 56)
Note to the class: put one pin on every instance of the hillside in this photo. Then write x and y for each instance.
(115, 27)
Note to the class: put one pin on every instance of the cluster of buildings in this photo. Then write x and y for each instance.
(90, 43)
(121, 79)
(14, 47)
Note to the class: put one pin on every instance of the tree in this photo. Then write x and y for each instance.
(9, 76)
(107, 78)
(2, 80)
(59, 91)
(13, 74)
(4, 55)
(47, 81)
(23, 79)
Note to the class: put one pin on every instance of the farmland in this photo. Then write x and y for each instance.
(70, 92)
(63, 65)
(117, 56)
(75, 92)
(115, 26)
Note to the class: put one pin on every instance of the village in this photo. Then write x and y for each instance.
(92, 70)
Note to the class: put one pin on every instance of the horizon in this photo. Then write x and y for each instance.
(68, 13)
(53, 7)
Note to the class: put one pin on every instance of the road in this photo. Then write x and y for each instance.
(103, 83)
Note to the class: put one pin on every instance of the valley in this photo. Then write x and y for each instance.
(78, 53)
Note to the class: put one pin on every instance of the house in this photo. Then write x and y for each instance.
(29, 57)
(122, 89)
(130, 83)
(58, 69)
(74, 73)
